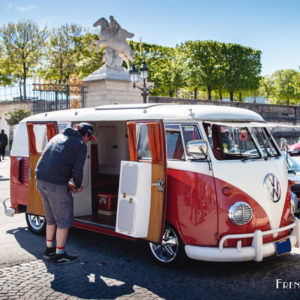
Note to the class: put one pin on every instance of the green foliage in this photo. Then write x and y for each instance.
(23, 45)
(267, 86)
(204, 65)
(18, 114)
(68, 53)
(242, 68)
(287, 86)
(215, 66)
(5, 70)
(165, 65)
(282, 87)
(187, 70)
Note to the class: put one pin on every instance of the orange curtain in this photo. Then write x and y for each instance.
(131, 127)
(31, 139)
(51, 131)
(154, 142)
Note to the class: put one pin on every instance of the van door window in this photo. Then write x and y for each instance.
(174, 142)
(143, 141)
(177, 137)
(190, 133)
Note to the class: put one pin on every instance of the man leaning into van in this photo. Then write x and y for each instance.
(61, 161)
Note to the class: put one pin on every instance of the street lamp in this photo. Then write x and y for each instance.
(134, 77)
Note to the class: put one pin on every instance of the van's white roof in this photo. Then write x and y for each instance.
(150, 112)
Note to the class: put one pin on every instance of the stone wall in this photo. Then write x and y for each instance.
(271, 113)
(282, 114)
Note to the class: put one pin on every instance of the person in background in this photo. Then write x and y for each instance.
(225, 139)
(3, 143)
(62, 160)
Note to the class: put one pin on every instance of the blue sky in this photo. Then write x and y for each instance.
(271, 26)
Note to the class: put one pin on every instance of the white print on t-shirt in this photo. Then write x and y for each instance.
(59, 148)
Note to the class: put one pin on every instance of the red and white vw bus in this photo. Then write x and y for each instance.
(208, 182)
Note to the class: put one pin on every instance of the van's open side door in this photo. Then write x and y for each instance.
(38, 136)
(142, 189)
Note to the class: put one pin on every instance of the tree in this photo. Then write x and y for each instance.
(204, 65)
(165, 65)
(5, 70)
(267, 86)
(242, 68)
(14, 117)
(87, 61)
(23, 45)
(68, 53)
(286, 89)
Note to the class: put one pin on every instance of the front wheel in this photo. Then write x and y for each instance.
(36, 224)
(170, 251)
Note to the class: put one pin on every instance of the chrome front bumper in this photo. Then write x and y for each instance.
(257, 251)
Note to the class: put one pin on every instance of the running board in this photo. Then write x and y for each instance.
(95, 224)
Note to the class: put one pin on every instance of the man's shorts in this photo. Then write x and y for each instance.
(58, 203)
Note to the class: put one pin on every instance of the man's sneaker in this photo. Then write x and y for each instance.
(50, 253)
(62, 259)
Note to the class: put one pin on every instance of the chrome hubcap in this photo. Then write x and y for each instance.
(167, 251)
(36, 222)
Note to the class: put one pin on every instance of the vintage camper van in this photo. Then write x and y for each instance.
(207, 182)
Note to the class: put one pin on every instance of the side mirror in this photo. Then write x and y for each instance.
(197, 149)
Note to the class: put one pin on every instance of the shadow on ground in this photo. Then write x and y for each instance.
(111, 267)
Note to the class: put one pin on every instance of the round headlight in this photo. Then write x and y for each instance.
(240, 213)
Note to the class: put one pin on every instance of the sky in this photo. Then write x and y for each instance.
(271, 26)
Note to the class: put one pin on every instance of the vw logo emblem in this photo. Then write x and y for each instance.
(272, 187)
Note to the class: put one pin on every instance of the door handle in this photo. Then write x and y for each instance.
(159, 184)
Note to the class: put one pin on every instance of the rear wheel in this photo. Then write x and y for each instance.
(36, 224)
(170, 251)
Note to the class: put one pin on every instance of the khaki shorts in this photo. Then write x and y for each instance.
(58, 203)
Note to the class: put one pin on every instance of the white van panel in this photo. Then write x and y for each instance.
(20, 142)
(134, 199)
(82, 204)
(249, 177)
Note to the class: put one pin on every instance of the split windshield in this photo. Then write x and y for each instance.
(229, 142)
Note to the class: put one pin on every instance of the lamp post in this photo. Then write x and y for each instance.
(134, 76)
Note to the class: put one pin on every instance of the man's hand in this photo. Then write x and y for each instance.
(71, 186)
(78, 190)
(73, 189)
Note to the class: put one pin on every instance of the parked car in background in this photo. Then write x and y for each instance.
(294, 175)
(294, 149)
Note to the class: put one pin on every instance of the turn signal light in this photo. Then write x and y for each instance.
(227, 191)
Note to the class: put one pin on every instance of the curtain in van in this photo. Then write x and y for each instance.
(154, 142)
(34, 204)
(31, 139)
(131, 127)
(51, 131)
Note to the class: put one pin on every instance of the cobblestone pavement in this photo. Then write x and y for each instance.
(111, 268)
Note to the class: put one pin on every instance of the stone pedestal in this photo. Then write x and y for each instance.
(110, 86)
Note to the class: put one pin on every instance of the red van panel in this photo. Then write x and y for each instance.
(19, 181)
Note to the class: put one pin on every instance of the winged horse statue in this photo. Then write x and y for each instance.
(113, 38)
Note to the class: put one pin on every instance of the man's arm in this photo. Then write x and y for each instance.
(78, 166)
